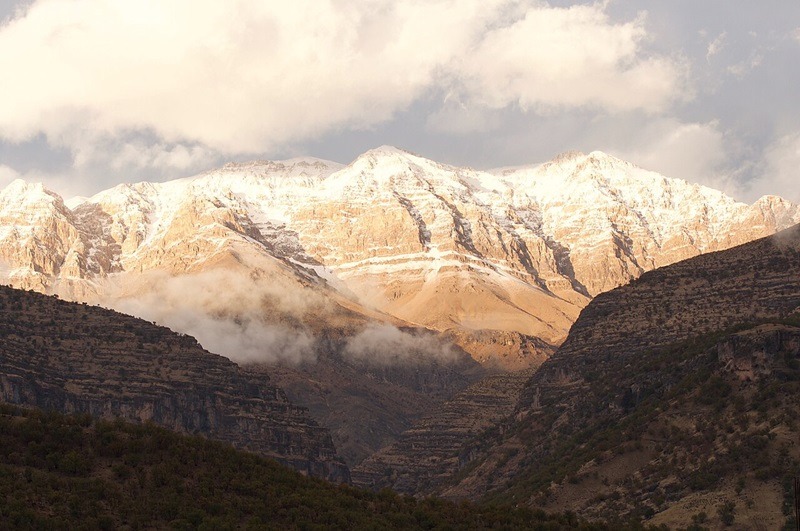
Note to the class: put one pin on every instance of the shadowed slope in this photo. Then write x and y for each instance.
(661, 394)
(76, 358)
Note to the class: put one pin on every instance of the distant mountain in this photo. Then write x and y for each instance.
(364, 285)
(75, 358)
(501, 261)
(676, 398)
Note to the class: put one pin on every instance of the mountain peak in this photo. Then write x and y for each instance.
(20, 191)
(771, 200)
(577, 226)
(604, 160)
(287, 163)
(384, 162)
(386, 152)
(308, 161)
(386, 149)
(20, 186)
(568, 156)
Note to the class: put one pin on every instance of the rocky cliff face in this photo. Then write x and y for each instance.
(433, 450)
(264, 261)
(77, 358)
(671, 395)
(501, 261)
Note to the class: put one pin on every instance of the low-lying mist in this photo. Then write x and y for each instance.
(225, 312)
(253, 319)
(383, 344)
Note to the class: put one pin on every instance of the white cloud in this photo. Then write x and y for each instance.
(716, 46)
(383, 344)
(138, 154)
(701, 153)
(226, 312)
(796, 34)
(695, 152)
(236, 76)
(249, 76)
(575, 57)
(455, 117)
(746, 66)
(7, 175)
(781, 175)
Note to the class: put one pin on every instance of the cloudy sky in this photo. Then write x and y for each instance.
(97, 92)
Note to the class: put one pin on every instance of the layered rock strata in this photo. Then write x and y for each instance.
(75, 358)
(435, 448)
(660, 393)
(494, 259)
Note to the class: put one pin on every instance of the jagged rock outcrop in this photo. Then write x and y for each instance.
(671, 395)
(750, 356)
(493, 259)
(75, 358)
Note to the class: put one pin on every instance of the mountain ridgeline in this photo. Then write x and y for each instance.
(674, 398)
(499, 261)
(329, 275)
(582, 335)
(76, 358)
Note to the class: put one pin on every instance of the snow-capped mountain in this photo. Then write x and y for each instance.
(502, 261)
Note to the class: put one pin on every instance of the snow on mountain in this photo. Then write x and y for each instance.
(501, 261)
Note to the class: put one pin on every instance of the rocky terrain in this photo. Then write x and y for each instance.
(492, 259)
(430, 452)
(325, 276)
(674, 398)
(76, 358)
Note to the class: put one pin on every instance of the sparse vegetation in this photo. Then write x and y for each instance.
(679, 390)
(727, 512)
(71, 472)
(696, 422)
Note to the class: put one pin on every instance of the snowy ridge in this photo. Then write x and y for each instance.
(428, 243)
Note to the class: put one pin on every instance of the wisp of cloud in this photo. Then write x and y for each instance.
(386, 345)
(225, 312)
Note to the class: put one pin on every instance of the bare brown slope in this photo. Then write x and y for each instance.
(653, 404)
(76, 358)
